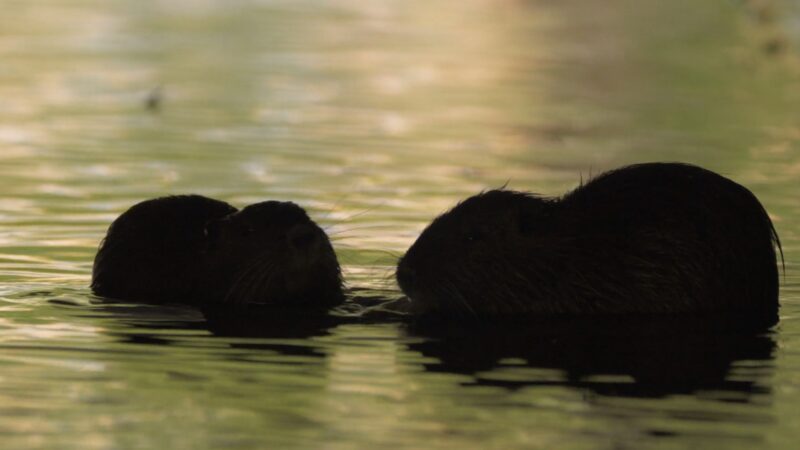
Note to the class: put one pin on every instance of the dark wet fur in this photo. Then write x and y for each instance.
(196, 250)
(660, 238)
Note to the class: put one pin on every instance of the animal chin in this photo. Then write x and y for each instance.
(298, 282)
(312, 281)
(430, 301)
(302, 262)
(420, 302)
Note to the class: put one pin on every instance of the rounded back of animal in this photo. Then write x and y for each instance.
(155, 250)
(658, 238)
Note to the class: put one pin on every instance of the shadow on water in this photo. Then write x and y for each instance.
(631, 357)
(272, 327)
(643, 356)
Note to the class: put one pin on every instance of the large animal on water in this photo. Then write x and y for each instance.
(657, 238)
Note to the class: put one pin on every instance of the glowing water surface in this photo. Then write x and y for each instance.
(375, 116)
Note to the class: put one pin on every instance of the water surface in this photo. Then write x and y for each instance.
(375, 116)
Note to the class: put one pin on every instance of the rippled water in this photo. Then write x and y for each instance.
(375, 116)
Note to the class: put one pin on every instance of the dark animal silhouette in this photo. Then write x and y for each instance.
(196, 250)
(658, 238)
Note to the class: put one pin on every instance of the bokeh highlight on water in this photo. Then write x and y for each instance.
(375, 116)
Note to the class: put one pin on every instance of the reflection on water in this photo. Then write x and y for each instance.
(375, 117)
(638, 357)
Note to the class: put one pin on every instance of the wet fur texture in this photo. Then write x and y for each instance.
(658, 238)
(196, 250)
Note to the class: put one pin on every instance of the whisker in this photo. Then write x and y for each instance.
(264, 276)
(456, 295)
(246, 273)
(334, 206)
(237, 283)
(252, 283)
(265, 280)
(361, 213)
(334, 233)
(394, 255)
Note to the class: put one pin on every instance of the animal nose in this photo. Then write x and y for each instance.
(302, 236)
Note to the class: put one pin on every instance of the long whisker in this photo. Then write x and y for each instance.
(237, 283)
(266, 272)
(394, 255)
(361, 213)
(334, 206)
(460, 297)
(263, 281)
(346, 230)
(245, 273)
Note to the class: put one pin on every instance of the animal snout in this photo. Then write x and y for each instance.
(406, 277)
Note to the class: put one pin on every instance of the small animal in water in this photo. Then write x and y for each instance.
(655, 238)
(197, 250)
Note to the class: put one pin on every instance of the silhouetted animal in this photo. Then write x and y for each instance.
(196, 250)
(658, 238)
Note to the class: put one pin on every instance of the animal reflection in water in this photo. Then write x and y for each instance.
(651, 356)
(645, 356)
